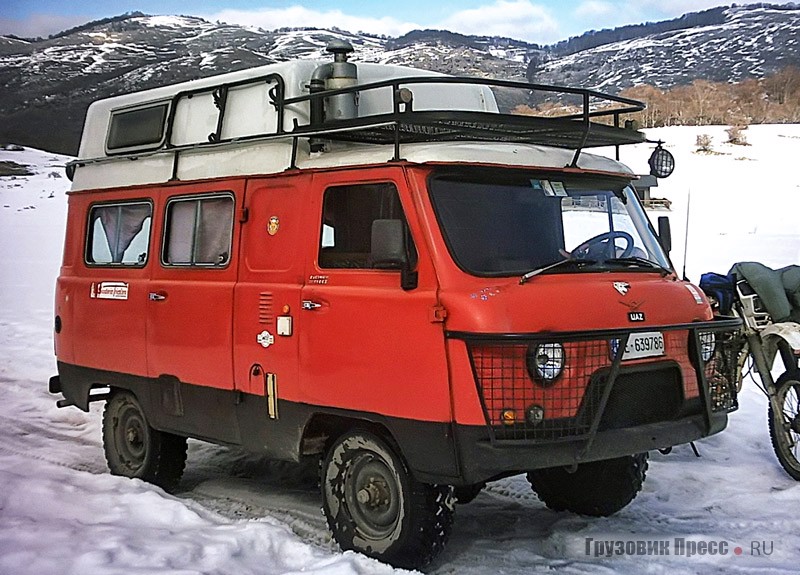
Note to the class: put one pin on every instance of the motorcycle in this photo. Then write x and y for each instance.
(755, 294)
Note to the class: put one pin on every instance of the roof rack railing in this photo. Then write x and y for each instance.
(406, 125)
(631, 105)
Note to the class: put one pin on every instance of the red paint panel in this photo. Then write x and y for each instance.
(370, 345)
(275, 243)
(102, 307)
(190, 319)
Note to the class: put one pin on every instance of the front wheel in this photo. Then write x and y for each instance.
(134, 449)
(374, 506)
(597, 488)
(784, 426)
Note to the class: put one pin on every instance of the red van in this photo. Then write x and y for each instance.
(374, 266)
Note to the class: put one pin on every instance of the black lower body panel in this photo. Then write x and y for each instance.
(436, 452)
(231, 417)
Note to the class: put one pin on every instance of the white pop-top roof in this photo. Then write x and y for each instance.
(249, 113)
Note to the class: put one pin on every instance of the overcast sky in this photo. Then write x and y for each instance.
(539, 21)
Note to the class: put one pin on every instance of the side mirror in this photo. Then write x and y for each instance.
(665, 233)
(388, 250)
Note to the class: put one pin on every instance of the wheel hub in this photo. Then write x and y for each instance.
(372, 498)
(374, 494)
(132, 436)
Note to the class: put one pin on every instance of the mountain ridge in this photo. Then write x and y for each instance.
(50, 82)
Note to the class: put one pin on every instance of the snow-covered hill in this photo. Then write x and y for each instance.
(750, 42)
(62, 513)
(51, 82)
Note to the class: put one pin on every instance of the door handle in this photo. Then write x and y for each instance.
(157, 296)
(310, 305)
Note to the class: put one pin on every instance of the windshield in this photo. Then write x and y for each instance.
(504, 222)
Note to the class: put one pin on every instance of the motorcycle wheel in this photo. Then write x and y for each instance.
(784, 427)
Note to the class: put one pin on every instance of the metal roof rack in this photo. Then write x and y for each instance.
(404, 125)
(575, 129)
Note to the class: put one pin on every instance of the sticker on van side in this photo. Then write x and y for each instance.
(109, 290)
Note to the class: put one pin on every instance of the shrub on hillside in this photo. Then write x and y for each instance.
(736, 135)
(703, 143)
(8, 168)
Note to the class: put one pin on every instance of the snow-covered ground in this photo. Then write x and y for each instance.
(62, 513)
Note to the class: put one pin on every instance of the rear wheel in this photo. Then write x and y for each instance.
(134, 449)
(597, 488)
(784, 427)
(374, 506)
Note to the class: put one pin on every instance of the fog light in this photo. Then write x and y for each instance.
(662, 163)
(708, 342)
(545, 362)
(535, 414)
(508, 417)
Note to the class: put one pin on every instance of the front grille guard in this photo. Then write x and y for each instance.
(580, 406)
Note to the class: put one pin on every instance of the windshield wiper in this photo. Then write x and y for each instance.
(640, 262)
(633, 261)
(558, 264)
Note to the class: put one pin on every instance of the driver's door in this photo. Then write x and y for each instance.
(367, 344)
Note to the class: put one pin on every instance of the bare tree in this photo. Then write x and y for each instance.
(774, 99)
(784, 86)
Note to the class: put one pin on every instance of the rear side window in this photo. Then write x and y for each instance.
(198, 231)
(119, 234)
(141, 128)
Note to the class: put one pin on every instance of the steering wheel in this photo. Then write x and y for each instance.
(598, 247)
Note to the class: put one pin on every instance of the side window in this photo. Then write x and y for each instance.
(347, 216)
(198, 231)
(140, 128)
(119, 234)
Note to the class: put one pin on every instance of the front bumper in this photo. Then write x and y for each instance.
(483, 459)
(602, 406)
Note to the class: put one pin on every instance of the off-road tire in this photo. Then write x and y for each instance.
(784, 428)
(597, 488)
(374, 506)
(134, 449)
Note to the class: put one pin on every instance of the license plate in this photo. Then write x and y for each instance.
(647, 344)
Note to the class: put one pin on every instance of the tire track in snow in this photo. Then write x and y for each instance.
(236, 498)
(226, 481)
(23, 440)
(37, 430)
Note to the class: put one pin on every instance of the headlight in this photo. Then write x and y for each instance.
(545, 362)
(708, 342)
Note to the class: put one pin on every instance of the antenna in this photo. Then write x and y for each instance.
(686, 235)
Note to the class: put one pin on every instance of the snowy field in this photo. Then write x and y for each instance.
(62, 513)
